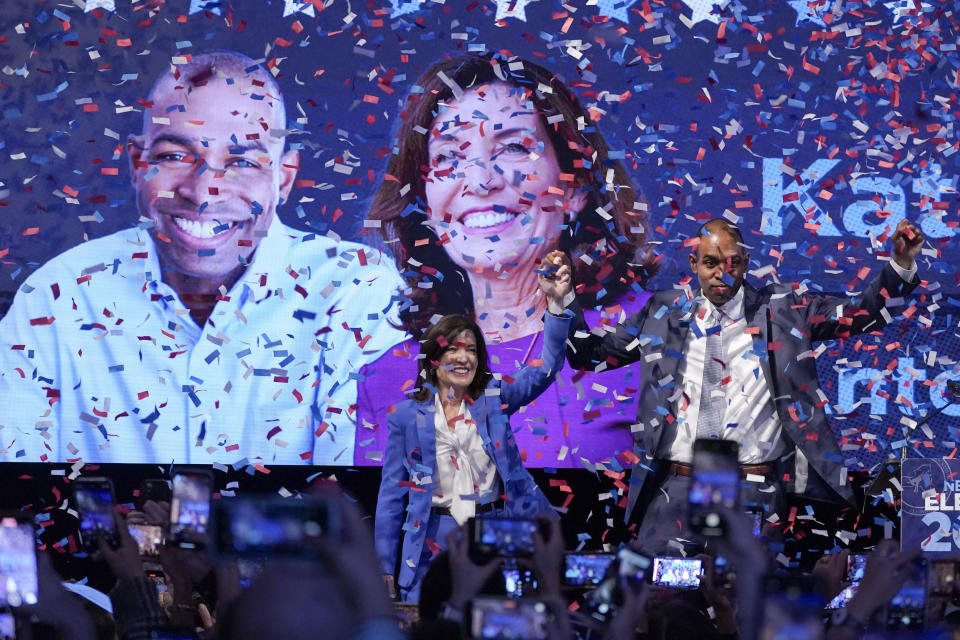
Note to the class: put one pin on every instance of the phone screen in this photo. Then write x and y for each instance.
(262, 528)
(503, 536)
(680, 573)
(159, 579)
(603, 601)
(633, 566)
(8, 626)
(716, 481)
(906, 609)
(843, 598)
(519, 582)
(943, 576)
(149, 538)
(95, 503)
(519, 619)
(855, 565)
(190, 509)
(18, 563)
(585, 569)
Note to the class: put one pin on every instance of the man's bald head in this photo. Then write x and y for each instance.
(719, 225)
(719, 260)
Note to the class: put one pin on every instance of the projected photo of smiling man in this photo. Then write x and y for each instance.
(208, 331)
(209, 171)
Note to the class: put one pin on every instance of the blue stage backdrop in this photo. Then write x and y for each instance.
(815, 126)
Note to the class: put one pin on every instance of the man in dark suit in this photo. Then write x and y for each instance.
(730, 361)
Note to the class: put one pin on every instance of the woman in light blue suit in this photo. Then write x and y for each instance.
(451, 453)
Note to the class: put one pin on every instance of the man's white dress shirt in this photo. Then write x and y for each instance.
(749, 416)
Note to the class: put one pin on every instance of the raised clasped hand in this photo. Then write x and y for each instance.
(907, 242)
(556, 280)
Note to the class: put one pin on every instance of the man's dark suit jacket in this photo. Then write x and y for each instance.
(785, 323)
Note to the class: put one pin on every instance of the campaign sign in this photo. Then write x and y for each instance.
(931, 505)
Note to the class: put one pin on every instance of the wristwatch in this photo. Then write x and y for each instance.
(843, 618)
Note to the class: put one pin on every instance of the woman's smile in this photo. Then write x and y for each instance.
(495, 184)
(458, 363)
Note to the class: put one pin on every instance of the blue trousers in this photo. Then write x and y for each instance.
(438, 527)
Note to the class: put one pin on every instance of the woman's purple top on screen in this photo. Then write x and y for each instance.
(583, 416)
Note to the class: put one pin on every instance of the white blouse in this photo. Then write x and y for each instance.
(465, 473)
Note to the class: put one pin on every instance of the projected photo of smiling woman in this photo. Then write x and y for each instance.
(496, 164)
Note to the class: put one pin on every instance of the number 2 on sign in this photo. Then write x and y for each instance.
(942, 522)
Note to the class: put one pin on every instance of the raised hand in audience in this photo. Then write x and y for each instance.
(56, 608)
(887, 570)
(717, 597)
(466, 576)
(548, 563)
(124, 559)
(831, 569)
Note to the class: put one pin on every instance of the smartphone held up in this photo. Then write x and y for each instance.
(501, 537)
(190, 508)
(715, 483)
(508, 618)
(18, 562)
(271, 526)
(96, 503)
(676, 573)
(628, 570)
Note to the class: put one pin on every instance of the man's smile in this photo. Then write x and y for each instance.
(203, 228)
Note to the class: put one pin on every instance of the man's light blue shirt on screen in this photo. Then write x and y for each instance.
(101, 361)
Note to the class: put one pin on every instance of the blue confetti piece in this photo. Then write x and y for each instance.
(299, 314)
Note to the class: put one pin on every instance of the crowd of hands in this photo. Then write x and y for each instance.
(336, 590)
